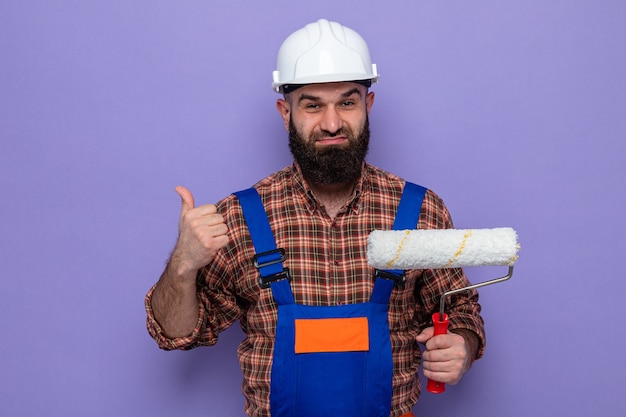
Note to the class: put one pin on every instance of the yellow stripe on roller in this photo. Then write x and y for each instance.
(458, 253)
(399, 250)
(514, 257)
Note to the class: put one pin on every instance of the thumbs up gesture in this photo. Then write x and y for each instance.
(202, 232)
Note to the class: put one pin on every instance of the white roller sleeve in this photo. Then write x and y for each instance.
(441, 248)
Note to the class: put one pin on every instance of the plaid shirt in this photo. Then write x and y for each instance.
(328, 262)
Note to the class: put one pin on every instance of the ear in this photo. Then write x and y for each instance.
(369, 101)
(284, 109)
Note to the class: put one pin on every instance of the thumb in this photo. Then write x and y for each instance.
(425, 335)
(186, 199)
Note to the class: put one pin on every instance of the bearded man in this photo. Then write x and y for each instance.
(326, 334)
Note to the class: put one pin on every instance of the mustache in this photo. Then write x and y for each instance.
(322, 134)
(327, 134)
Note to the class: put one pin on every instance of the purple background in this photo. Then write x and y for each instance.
(513, 111)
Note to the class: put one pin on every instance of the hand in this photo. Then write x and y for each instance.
(446, 356)
(202, 232)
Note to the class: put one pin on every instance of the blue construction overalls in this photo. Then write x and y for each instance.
(328, 361)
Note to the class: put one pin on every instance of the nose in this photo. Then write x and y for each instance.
(331, 121)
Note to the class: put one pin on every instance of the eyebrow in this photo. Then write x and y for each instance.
(347, 94)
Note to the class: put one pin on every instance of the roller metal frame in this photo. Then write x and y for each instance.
(469, 288)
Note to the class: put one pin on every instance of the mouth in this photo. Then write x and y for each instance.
(328, 141)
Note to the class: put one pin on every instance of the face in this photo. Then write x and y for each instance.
(328, 130)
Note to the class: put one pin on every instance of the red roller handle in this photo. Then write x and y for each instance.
(441, 327)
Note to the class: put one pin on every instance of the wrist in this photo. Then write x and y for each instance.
(180, 270)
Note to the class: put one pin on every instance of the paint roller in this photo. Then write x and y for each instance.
(444, 248)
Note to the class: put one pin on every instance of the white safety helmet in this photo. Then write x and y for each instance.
(323, 52)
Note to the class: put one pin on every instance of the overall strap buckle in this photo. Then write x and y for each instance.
(397, 276)
(265, 282)
(269, 258)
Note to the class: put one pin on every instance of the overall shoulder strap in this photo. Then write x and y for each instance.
(268, 258)
(407, 217)
(409, 208)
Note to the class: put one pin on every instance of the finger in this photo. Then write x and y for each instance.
(208, 211)
(221, 240)
(436, 366)
(187, 202)
(446, 341)
(443, 377)
(203, 221)
(216, 230)
(448, 372)
(435, 356)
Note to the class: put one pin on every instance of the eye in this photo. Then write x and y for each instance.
(312, 108)
(348, 103)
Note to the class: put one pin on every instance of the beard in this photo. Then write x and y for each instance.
(333, 164)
